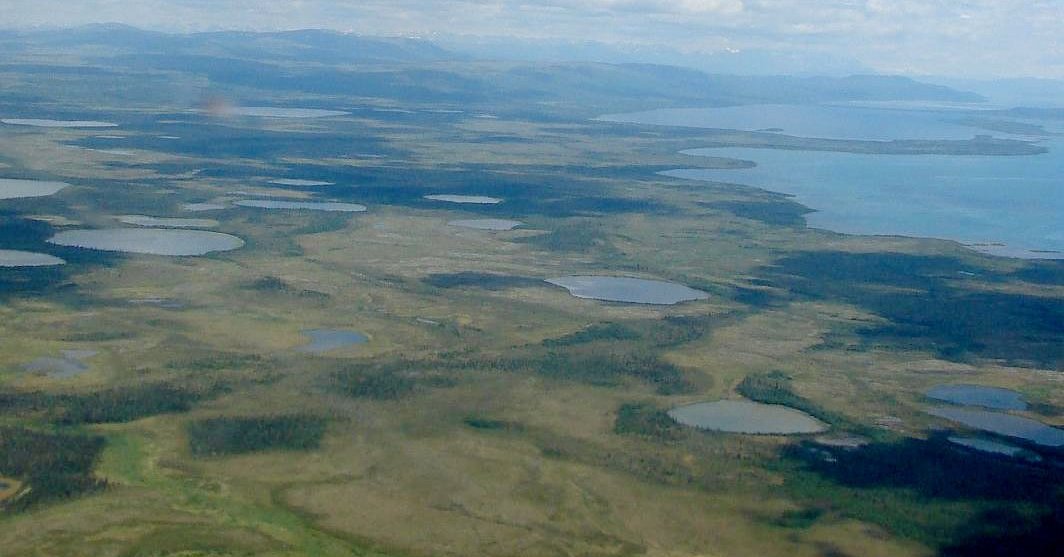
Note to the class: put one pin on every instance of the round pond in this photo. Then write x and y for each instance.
(70, 363)
(14, 189)
(744, 416)
(626, 289)
(149, 241)
(303, 205)
(15, 258)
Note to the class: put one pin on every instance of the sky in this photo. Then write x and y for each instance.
(972, 38)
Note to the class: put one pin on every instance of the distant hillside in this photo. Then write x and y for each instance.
(311, 45)
(418, 71)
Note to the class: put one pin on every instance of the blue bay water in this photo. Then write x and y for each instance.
(1014, 203)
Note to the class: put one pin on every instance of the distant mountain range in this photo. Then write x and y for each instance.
(416, 70)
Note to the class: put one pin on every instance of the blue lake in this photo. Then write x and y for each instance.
(1006, 205)
(1003, 424)
(326, 340)
(978, 395)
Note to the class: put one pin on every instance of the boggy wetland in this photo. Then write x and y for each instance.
(343, 313)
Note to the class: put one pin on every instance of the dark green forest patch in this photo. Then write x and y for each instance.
(774, 387)
(593, 333)
(226, 436)
(393, 380)
(931, 491)
(486, 281)
(646, 420)
(928, 308)
(51, 465)
(116, 405)
(776, 213)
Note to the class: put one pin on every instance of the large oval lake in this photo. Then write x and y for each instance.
(302, 205)
(17, 258)
(487, 224)
(149, 241)
(15, 189)
(626, 289)
(744, 416)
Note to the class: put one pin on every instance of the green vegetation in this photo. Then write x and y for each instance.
(593, 333)
(774, 387)
(646, 420)
(489, 424)
(487, 281)
(378, 381)
(125, 404)
(579, 236)
(927, 490)
(475, 369)
(606, 370)
(116, 405)
(925, 304)
(226, 436)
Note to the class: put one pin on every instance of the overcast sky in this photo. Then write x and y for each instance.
(979, 38)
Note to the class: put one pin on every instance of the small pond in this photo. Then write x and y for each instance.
(744, 416)
(625, 289)
(70, 363)
(326, 340)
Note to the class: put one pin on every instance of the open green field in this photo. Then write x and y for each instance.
(489, 413)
